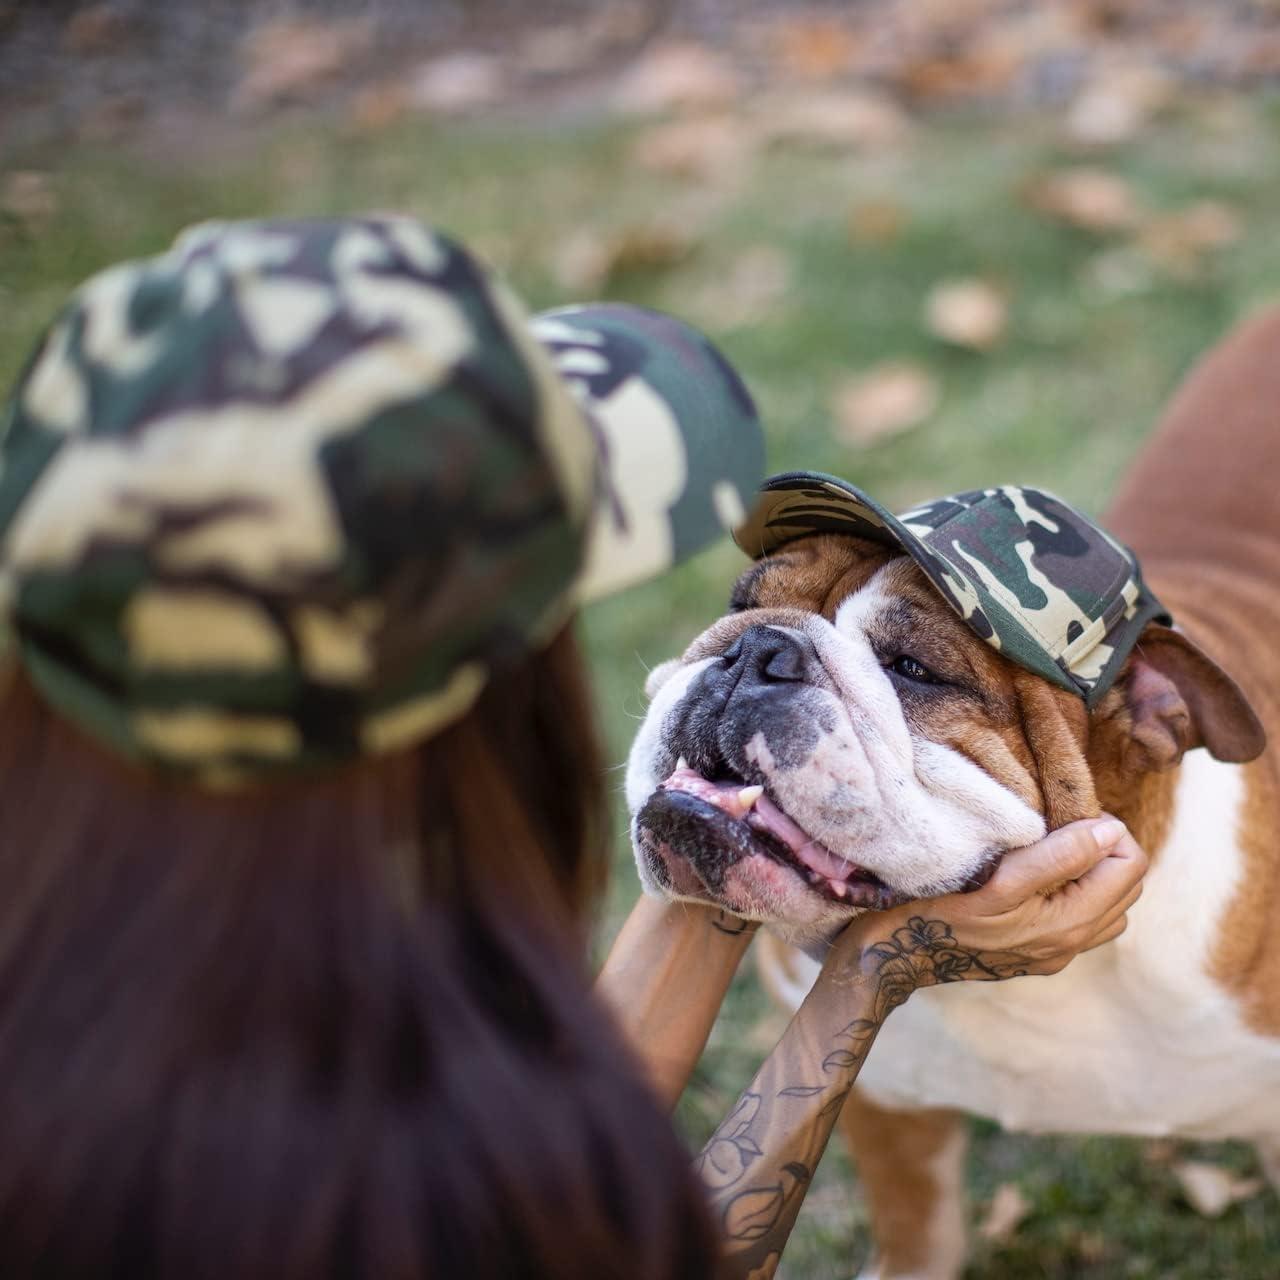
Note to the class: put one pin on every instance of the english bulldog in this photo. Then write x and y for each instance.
(891, 703)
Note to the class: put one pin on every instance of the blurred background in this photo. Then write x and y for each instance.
(949, 243)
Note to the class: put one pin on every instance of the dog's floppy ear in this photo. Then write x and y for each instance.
(1179, 698)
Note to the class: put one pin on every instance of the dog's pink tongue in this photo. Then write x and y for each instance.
(761, 814)
(767, 817)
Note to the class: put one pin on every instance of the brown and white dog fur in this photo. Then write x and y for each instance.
(1173, 1029)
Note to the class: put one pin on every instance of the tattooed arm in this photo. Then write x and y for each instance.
(1043, 906)
(665, 979)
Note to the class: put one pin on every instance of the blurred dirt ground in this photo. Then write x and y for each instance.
(113, 69)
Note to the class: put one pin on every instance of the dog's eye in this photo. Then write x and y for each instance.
(909, 669)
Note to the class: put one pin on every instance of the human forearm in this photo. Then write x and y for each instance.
(1043, 905)
(757, 1166)
(667, 948)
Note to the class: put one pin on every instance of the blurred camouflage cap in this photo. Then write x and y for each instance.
(287, 493)
(1031, 576)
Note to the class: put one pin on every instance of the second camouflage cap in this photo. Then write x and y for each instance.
(289, 492)
(1031, 575)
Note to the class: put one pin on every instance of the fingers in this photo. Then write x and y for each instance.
(1093, 909)
(1111, 916)
(1112, 931)
(1068, 893)
(1066, 854)
(1112, 879)
(1123, 905)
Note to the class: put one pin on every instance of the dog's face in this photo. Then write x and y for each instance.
(840, 741)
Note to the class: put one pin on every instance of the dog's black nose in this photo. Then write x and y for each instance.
(769, 655)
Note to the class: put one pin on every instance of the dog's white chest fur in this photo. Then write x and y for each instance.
(1134, 1037)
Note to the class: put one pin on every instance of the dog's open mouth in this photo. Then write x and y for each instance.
(715, 824)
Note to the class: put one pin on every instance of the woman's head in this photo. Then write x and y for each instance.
(300, 796)
(288, 495)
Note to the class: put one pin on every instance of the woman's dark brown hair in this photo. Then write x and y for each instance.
(337, 1028)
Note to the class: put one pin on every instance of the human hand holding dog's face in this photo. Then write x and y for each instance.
(1043, 906)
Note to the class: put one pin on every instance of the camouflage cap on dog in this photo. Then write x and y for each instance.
(287, 493)
(1030, 575)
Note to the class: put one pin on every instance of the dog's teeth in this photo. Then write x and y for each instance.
(839, 888)
(749, 795)
(682, 763)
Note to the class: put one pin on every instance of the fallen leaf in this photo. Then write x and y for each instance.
(885, 401)
(1100, 117)
(580, 263)
(291, 59)
(652, 247)
(588, 260)
(1088, 198)
(709, 148)
(815, 48)
(1117, 105)
(457, 83)
(877, 222)
(950, 22)
(964, 48)
(1091, 1247)
(1180, 242)
(967, 313)
(970, 73)
(598, 33)
(377, 107)
(674, 77)
(832, 118)
(1212, 224)
(1211, 1190)
(28, 197)
(1005, 1213)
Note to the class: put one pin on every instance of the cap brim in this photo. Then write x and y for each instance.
(798, 504)
(681, 449)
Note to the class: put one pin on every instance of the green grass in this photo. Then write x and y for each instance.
(1062, 403)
